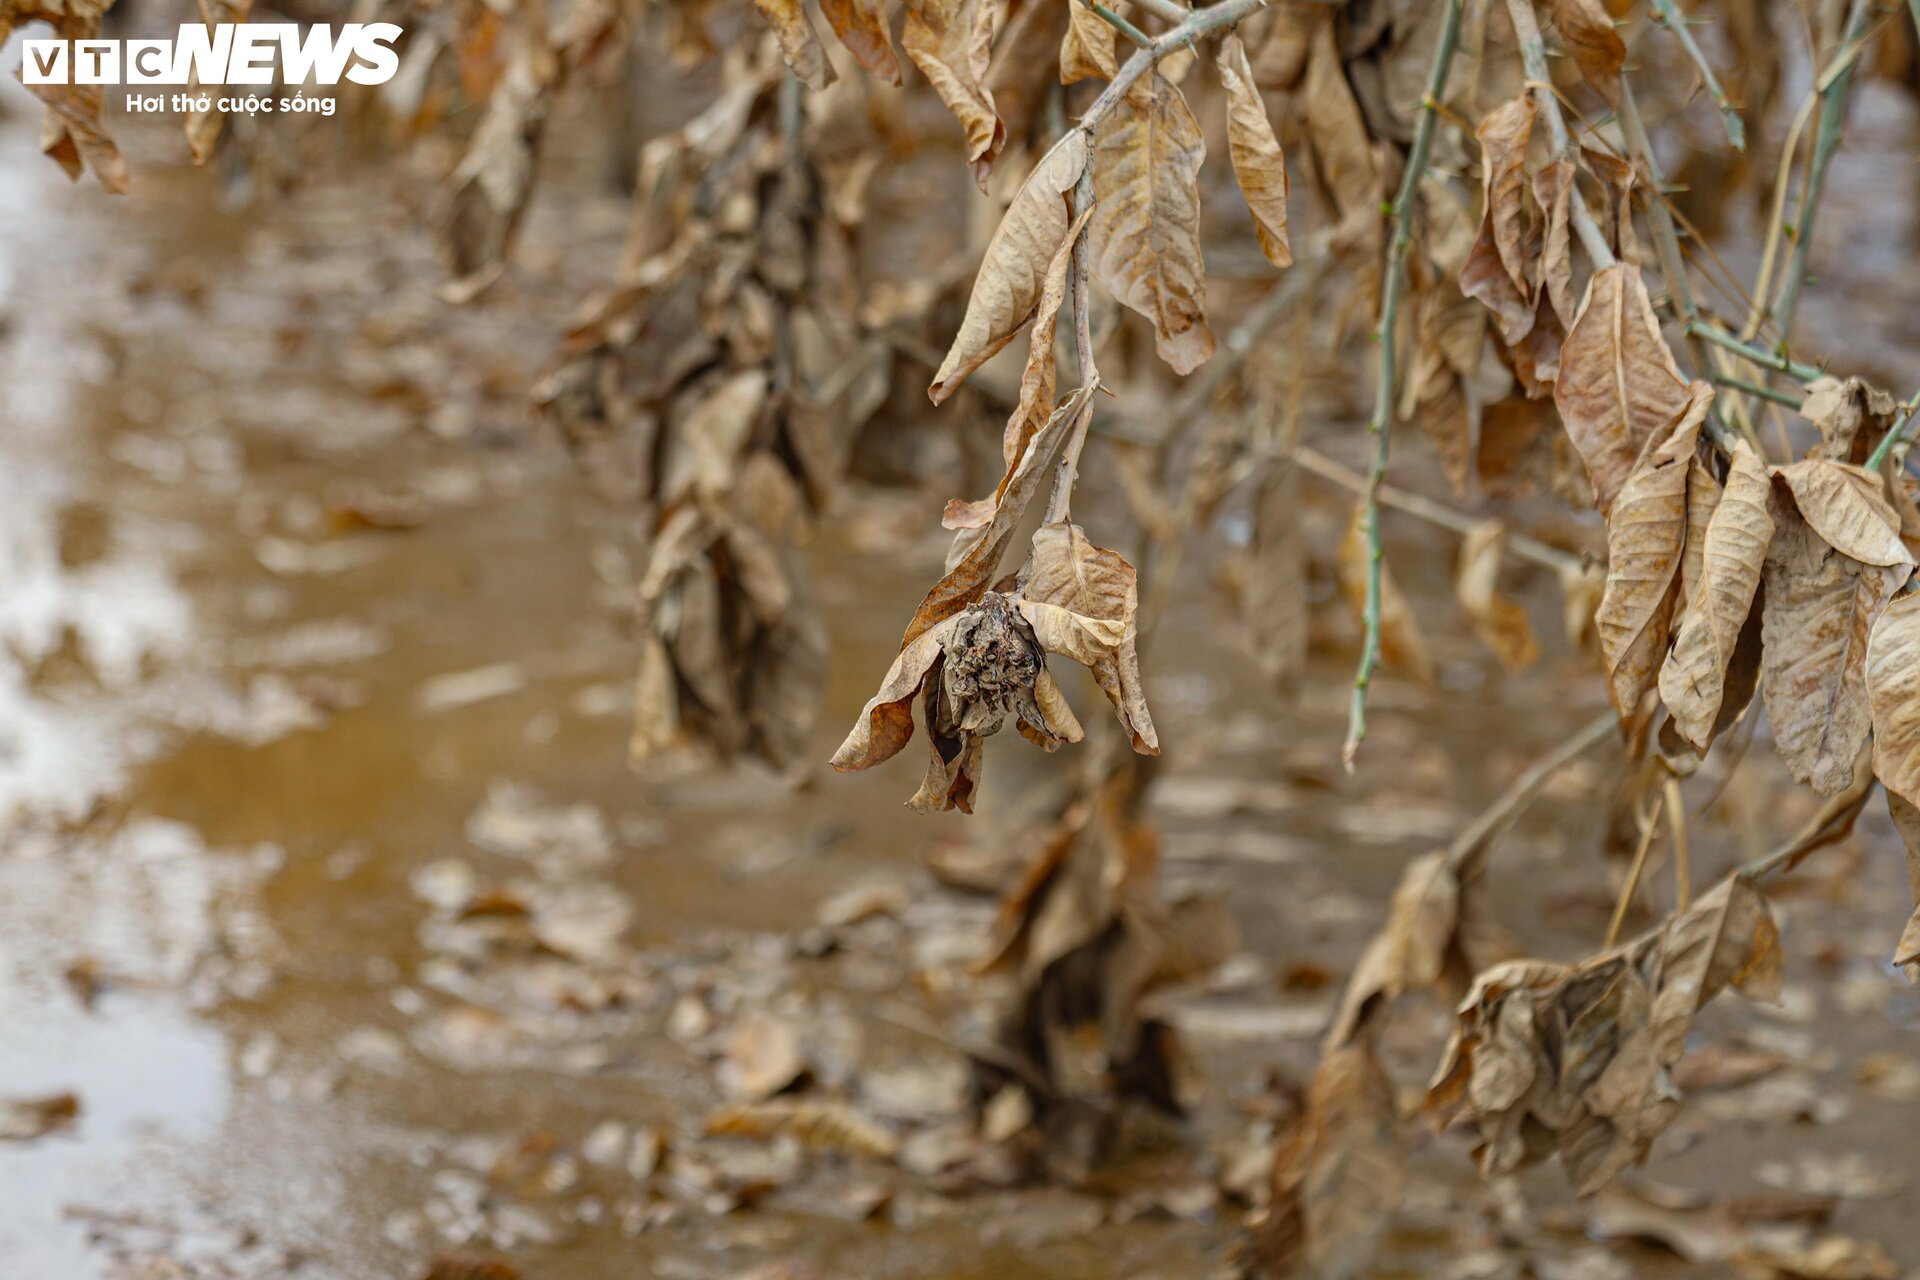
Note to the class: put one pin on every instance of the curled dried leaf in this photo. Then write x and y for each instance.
(1086, 51)
(952, 43)
(1646, 537)
(1008, 287)
(862, 28)
(1258, 163)
(1576, 1060)
(1080, 599)
(1693, 681)
(799, 42)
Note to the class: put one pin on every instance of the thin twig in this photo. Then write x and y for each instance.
(1545, 555)
(1677, 824)
(1166, 9)
(1120, 24)
(1632, 886)
(1668, 15)
(1776, 220)
(1196, 26)
(1773, 360)
(1385, 396)
(1755, 389)
(1838, 80)
(1533, 56)
(1667, 243)
(1899, 433)
(1464, 854)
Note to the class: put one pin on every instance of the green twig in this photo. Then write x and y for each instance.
(1385, 388)
(1835, 84)
(1668, 15)
(1755, 389)
(1773, 360)
(1899, 433)
(1120, 24)
(1166, 9)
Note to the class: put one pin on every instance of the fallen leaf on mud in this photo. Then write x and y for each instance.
(823, 1125)
(25, 1118)
(762, 1057)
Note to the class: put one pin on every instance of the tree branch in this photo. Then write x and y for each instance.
(1533, 56)
(1386, 387)
(1765, 359)
(1834, 86)
(1668, 15)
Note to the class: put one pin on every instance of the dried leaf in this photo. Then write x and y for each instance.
(1553, 188)
(1410, 951)
(488, 190)
(1338, 1175)
(1275, 598)
(862, 28)
(1848, 508)
(1503, 180)
(1080, 599)
(1693, 680)
(1401, 641)
(886, 722)
(823, 1125)
(1145, 236)
(1586, 29)
(1577, 1060)
(1086, 52)
(1646, 535)
(1500, 622)
(74, 136)
(1906, 818)
(762, 1057)
(1893, 696)
(952, 43)
(1818, 612)
(1012, 275)
(799, 43)
(1618, 384)
(1258, 163)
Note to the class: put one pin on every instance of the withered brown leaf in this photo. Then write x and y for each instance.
(1012, 275)
(1646, 536)
(952, 43)
(1586, 29)
(1694, 677)
(1893, 696)
(1618, 383)
(799, 42)
(1818, 612)
(1086, 52)
(1576, 1060)
(1145, 236)
(1258, 163)
(862, 28)
(1337, 1174)
(1080, 599)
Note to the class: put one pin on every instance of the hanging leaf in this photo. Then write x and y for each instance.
(1080, 599)
(1618, 383)
(1847, 507)
(862, 28)
(1693, 680)
(1086, 52)
(1893, 696)
(1008, 287)
(799, 42)
(1586, 29)
(1258, 164)
(1145, 237)
(951, 41)
(1646, 535)
(1576, 1060)
(1818, 612)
